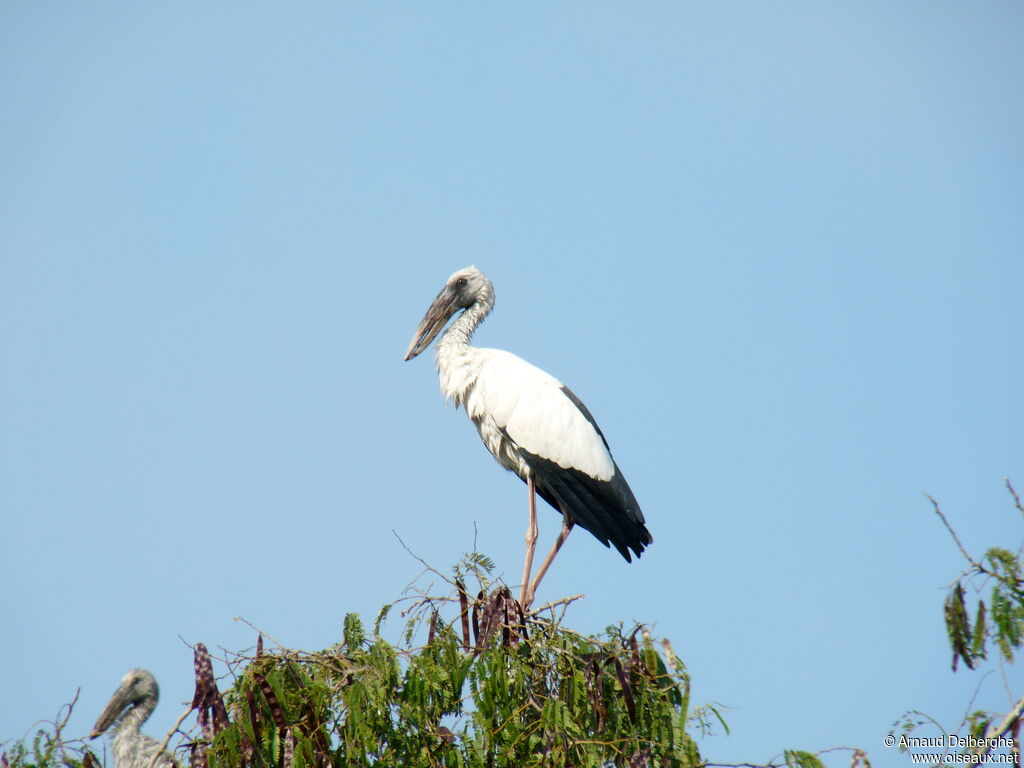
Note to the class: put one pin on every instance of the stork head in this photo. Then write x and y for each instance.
(136, 687)
(465, 288)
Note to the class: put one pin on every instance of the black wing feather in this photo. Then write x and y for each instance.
(607, 509)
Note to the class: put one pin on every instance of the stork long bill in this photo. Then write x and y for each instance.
(115, 706)
(437, 317)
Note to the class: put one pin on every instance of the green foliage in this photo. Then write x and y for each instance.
(797, 759)
(1007, 600)
(1001, 620)
(47, 749)
(958, 626)
(470, 683)
(516, 692)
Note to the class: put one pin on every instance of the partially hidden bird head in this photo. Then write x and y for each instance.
(462, 290)
(137, 686)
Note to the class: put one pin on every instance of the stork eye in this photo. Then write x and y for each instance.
(460, 283)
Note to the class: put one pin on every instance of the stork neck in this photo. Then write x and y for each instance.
(133, 718)
(461, 331)
(457, 361)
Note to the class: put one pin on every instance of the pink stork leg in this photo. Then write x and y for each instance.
(567, 525)
(531, 540)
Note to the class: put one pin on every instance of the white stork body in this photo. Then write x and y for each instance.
(531, 423)
(519, 409)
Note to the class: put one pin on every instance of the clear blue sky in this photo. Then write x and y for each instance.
(776, 248)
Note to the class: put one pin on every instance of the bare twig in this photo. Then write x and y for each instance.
(970, 704)
(952, 533)
(272, 639)
(1016, 498)
(857, 751)
(429, 568)
(167, 738)
(59, 726)
(555, 603)
(56, 725)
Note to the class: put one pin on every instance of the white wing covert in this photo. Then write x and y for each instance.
(530, 406)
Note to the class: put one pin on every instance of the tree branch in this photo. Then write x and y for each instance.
(857, 752)
(167, 738)
(1000, 730)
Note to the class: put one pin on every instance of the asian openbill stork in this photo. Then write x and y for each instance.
(130, 706)
(533, 425)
